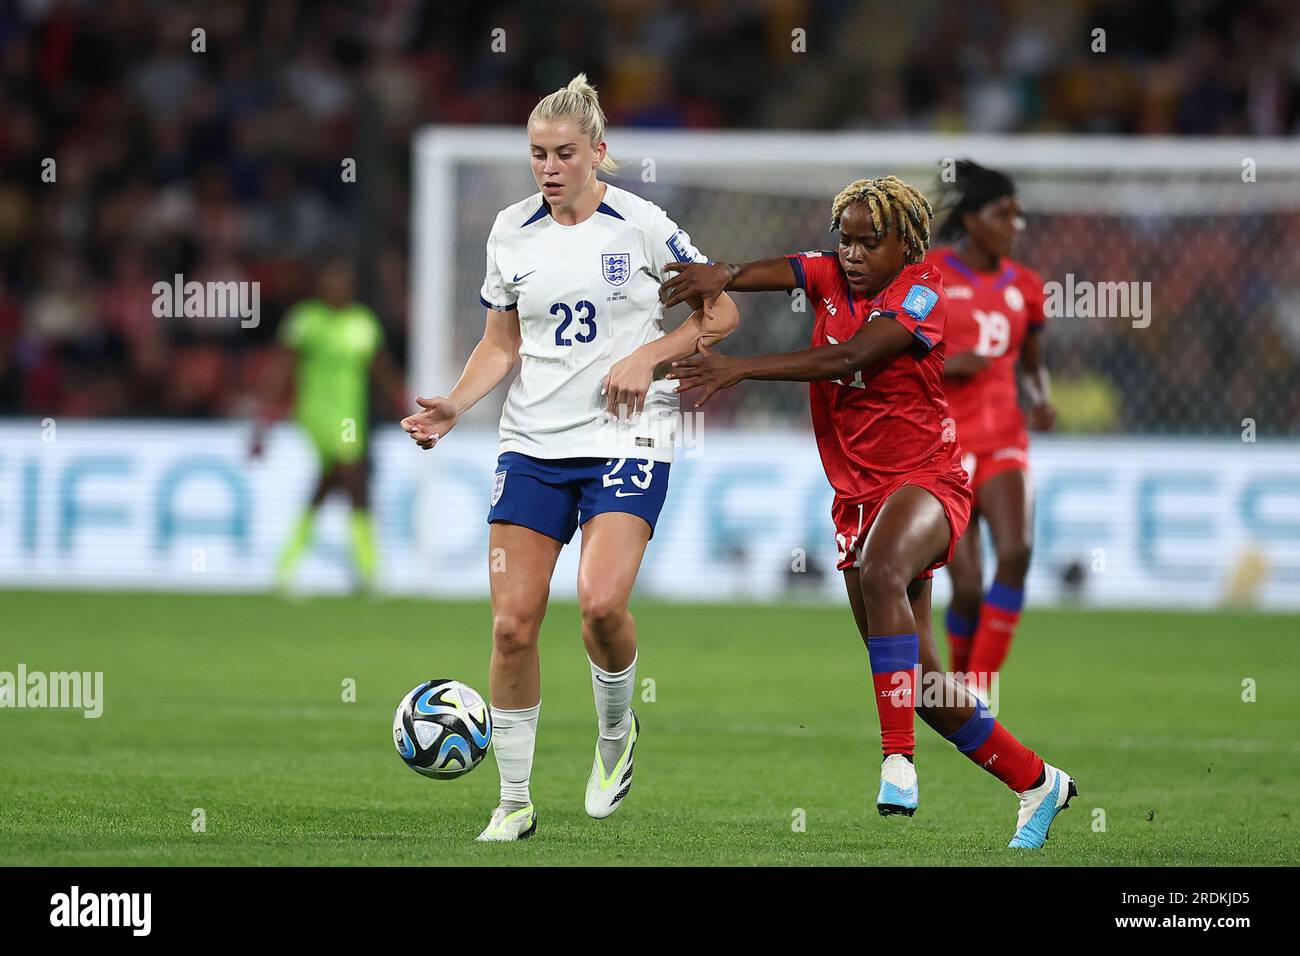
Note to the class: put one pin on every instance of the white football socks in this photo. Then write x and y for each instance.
(613, 692)
(514, 735)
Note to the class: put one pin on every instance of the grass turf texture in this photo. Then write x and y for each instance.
(234, 705)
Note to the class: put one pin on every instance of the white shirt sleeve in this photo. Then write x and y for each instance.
(494, 294)
(669, 243)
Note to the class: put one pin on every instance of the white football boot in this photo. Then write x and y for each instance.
(515, 825)
(605, 792)
(1039, 807)
(898, 787)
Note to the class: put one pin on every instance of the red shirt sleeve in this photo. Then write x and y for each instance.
(814, 270)
(1031, 286)
(916, 300)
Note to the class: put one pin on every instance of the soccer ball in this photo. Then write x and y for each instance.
(442, 729)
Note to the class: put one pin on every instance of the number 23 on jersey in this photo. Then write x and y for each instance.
(585, 313)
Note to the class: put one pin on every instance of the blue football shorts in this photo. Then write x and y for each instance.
(556, 496)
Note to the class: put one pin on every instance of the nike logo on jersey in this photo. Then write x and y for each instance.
(520, 278)
(620, 493)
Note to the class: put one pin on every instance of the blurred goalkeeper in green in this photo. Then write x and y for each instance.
(329, 345)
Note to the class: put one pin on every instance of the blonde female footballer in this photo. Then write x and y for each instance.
(587, 431)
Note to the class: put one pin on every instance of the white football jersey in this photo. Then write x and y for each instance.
(587, 296)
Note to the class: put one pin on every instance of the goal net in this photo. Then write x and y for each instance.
(1173, 342)
(1209, 229)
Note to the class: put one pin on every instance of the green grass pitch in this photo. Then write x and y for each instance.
(233, 704)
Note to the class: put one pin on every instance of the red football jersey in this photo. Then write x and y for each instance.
(989, 313)
(889, 420)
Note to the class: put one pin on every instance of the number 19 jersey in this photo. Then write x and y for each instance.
(990, 314)
(587, 296)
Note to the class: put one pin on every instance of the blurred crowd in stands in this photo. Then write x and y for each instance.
(219, 154)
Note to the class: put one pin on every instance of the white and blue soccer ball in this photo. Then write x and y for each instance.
(442, 729)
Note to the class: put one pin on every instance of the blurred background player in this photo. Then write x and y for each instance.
(901, 497)
(572, 288)
(995, 330)
(329, 346)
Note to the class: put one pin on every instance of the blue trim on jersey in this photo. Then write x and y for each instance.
(897, 652)
(544, 211)
(1005, 597)
(972, 734)
(800, 278)
(498, 308)
(1005, 279)
(608, 210)
(921, 337)
(951, 259)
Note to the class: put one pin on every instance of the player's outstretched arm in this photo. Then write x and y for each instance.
(629, 380)
(1038, 387)
(706, 280)
(873, 343)
(491, 361)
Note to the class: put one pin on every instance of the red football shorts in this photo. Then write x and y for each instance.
(854, 519)
(981, 466)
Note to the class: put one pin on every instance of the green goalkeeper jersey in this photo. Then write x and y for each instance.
(334, 348)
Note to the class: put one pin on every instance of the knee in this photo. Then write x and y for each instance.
(602, 613)
(883, 579)
(1013, 559)
(513, 633)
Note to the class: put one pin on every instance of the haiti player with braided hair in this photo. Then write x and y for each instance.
(901, 497)
(995, 330)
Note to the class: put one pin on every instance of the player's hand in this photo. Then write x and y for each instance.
(1042, 416)
(625, 388)
(694, 282)
(965, 364)
(438, 417)
(706, 369)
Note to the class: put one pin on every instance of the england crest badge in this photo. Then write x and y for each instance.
(498, 487)
(616, 267)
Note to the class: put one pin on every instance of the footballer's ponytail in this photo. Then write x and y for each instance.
(579, 101)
